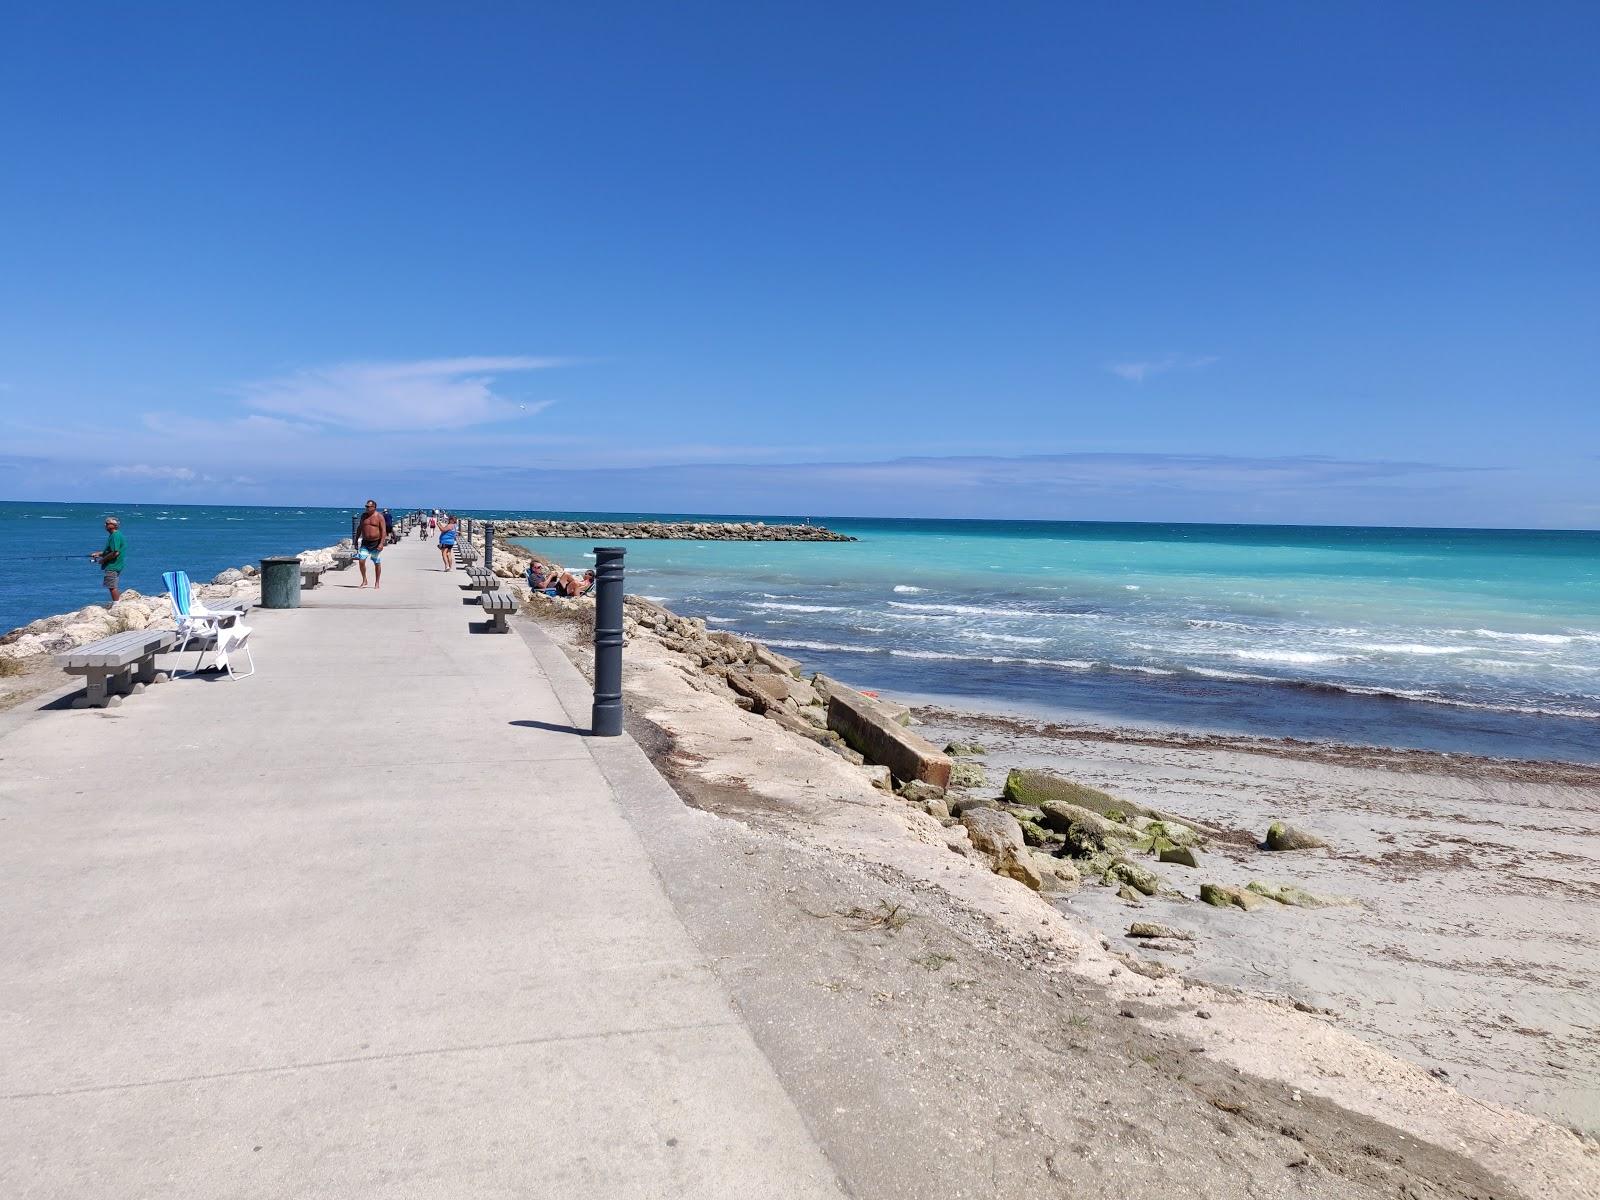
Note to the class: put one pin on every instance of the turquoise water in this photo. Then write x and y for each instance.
(1472, 641)
(1469, 641)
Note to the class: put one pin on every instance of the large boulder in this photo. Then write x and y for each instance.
(1036, 787)
(872, 731)
(999, 838)
(968, 775)
(231, 575)
(1287, 837)
(1086, 832)
(826, 687)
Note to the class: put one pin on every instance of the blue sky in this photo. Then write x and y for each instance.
(1332, 263)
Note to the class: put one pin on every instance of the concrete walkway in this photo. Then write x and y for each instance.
(370, 923)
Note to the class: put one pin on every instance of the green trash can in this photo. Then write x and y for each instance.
(280, 582)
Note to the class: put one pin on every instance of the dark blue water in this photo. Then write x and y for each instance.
(43, 568)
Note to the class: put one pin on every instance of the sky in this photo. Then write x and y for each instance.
(1171, 261)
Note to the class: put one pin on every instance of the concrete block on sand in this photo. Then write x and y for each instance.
(874, 732)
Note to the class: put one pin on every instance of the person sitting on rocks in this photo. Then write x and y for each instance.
(574, 586)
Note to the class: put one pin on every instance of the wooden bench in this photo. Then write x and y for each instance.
(311, 574)
(123, 662)
(499, 605)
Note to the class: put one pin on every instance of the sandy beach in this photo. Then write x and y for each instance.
(1471, 948)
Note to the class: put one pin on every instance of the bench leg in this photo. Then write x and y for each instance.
(146, 674)
(96, 693)
(500, 625)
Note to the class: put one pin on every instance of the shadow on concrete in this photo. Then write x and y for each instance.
(552, 727)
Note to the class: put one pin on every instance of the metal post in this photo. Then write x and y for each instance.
(606, 720)
(355, 528)
(488, 545)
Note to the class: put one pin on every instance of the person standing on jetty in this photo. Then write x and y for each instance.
(447, 541)
(111, 558)
(372, 531)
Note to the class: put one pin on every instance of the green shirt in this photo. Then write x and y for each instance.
(111, 560)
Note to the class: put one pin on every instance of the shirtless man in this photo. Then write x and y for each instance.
(371, 532)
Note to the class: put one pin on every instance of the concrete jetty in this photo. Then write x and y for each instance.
(373, 922)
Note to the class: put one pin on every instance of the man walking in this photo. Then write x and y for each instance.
(111, 558)
(371, 533)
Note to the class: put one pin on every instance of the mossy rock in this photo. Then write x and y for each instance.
(1035, 834)
(1287, 837)
(1225, 895)
(969, 775)
(1086, 832)
(1168, 831)
(1140, 879)
(1038, 787)
(1182, 856)
(968, 749)
(1022, 812)
(1295, 896)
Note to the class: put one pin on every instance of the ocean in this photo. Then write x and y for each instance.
(1467, 641)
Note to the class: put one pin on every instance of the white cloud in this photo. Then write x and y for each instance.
(444, 393)
(1139, 371)
(146, 471)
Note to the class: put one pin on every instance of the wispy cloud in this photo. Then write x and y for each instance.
(146, 471)
(1140, 370)
(441, 393)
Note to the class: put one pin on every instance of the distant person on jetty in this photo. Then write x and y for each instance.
(372, 531)
(447, 541)
(111, 558)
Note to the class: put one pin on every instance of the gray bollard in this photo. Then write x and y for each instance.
(606, 719)
(488, 545)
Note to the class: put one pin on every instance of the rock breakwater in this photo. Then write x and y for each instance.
(696, 531)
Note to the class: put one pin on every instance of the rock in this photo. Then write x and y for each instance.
(1287, 837)
(956, 839)
(1295, 896)
(799, 726)
(827, 687)
(803, 694)
(1140, 879)
(231, 575)
(961, 804)
(966, 774)
(1127, 894)
(250, 570)
(867, 728)
(767, 690)
(1037, 835)
(1182, 856)
(1168, 832)
(917, 790)
(782, 664)
(1224, 895)
(1037, 787)
(1086, 832)
(937, 809)
(849, 755)
(1149, 929)
(1056, 875)
(879, 776)
(967, 748)
(999, 838)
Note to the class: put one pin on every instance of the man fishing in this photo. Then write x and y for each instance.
(111, 558)
(371, 533)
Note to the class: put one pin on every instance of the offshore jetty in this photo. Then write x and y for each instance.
(697, 531)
